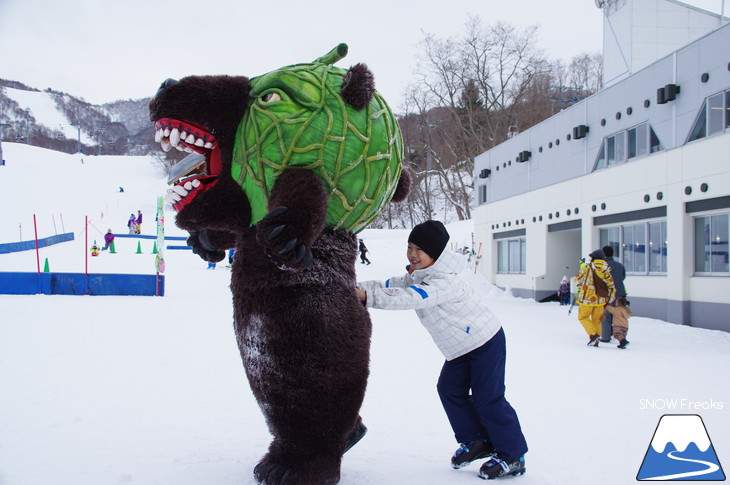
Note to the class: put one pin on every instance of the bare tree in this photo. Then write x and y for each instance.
(467, 93)
(586, 73)
(472, 92)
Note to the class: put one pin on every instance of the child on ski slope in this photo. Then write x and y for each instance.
(564, 291)
(621, 313)
(471, 384)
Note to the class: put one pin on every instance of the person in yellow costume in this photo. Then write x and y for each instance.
(595, 291)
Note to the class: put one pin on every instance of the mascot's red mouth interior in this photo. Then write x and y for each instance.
(191, 138)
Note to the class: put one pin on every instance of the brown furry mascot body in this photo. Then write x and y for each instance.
(303, 335)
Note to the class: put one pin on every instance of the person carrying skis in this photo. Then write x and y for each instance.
(363, 253)
(471, 384)
(595, 291)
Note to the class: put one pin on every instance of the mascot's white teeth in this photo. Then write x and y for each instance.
(175, 137)
(168, 138)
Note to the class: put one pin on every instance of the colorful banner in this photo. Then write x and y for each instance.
(160, 259)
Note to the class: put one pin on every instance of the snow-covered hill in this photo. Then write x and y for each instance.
(60, 121)
(150, 391)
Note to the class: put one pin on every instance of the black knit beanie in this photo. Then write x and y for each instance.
(597, 254)
(431, 236)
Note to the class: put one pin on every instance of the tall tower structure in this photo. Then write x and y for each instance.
(638, 32)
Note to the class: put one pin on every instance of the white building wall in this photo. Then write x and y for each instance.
(636, 33)
(622, 189)
(559, 204)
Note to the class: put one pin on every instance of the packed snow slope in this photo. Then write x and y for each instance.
(151, 390)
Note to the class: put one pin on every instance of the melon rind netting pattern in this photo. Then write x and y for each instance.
(357, 154)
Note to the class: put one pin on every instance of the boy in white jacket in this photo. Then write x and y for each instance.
(471, 384)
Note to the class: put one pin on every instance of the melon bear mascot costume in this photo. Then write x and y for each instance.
(287, 168)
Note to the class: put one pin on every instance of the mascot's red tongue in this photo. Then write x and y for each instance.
(192, 138)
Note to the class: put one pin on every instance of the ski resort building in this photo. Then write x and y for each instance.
(643, 166)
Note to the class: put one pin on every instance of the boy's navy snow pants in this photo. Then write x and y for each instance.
(483, 413)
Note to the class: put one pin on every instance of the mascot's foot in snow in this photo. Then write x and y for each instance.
(272, 471)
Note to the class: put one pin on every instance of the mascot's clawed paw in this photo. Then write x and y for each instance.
(201, 246)
(280, 242)
(271, 474)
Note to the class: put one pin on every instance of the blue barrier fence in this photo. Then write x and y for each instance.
(69, 236)
(145, 236)
(42, 243)
(81, 284)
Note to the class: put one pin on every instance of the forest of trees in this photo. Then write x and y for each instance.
(470, 93)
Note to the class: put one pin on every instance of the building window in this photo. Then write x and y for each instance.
(638, 142)
(634, 248)
(635, 142)
(711, 244)
(713, 116)
(641, 248)
(658, 247)
(483, 194)
(511, 255)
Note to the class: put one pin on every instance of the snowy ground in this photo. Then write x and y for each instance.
(151, 391)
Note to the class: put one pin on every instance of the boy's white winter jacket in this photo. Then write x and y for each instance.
(457, 319)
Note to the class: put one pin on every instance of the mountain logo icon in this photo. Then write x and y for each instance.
(681, 450)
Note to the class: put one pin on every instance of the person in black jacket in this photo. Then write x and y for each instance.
(363, 253)
(618, 272)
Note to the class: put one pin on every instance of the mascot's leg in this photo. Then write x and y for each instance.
(304, 338)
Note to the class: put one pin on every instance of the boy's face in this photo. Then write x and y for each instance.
(418, 258)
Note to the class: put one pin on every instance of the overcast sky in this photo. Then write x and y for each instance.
(104, 50)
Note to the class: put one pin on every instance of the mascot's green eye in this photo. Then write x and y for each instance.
(271, 97)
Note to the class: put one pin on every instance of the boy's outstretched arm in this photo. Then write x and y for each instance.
(413, 297)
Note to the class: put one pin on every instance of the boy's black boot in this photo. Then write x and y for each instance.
(623, 343)
(467, 453)
(495, 467)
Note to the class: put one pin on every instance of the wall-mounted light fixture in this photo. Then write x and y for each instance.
(524, 156)
(667, 93)
(580, 131)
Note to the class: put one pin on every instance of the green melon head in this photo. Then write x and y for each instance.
(328, 120)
